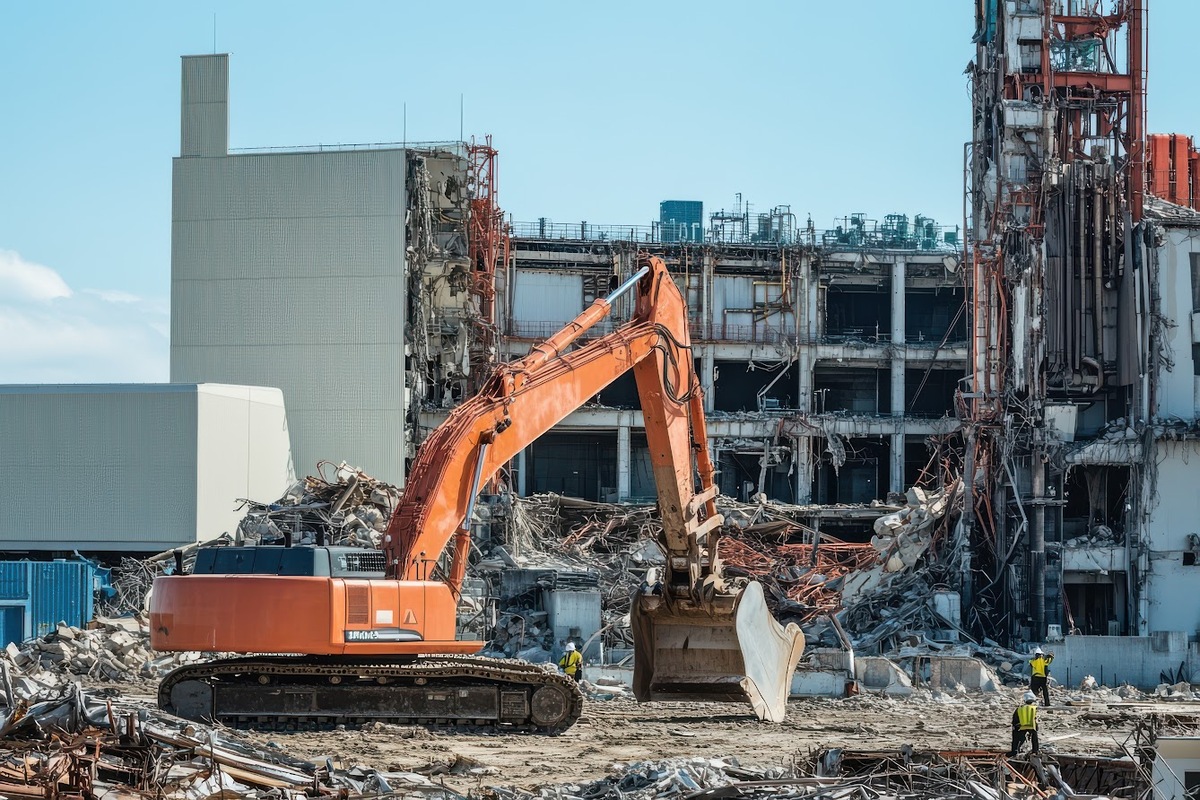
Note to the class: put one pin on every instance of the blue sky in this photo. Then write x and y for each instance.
(599, 111)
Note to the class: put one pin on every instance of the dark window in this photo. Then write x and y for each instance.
(1195, 282)
(1196, 359)
(1189, 560)
(1191, 783)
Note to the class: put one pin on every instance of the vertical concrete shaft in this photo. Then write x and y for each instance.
(802, 468)
(899, 353)
(1037, 548)
(806, 334)
(521, 470)
(708, 367)
(624, 460)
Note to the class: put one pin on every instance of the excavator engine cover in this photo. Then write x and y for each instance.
(730, 649)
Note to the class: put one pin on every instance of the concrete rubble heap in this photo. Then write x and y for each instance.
(110, 649)
(350, 508)
(878, 589)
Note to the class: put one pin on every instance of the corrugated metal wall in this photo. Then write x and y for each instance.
(36, 595)
(142, 467)
(204, 129)
(97, 467)
(287, 270)
(547, 297)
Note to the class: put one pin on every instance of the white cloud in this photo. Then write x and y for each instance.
(21, 278)
(51, 334)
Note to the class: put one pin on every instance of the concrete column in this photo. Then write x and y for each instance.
(1037, 548)
(708, 364)
(624, 460)
(806, 333)
(896, 482)
(521, 480)
(899, 354)
(802, 468)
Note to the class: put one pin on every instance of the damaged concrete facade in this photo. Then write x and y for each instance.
(344, 275)
(1081, 404)
(826, 367)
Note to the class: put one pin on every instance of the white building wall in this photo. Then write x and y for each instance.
(288, 270)
(242, 451)
(142, 467)
(1176, 390)
(1171, 588)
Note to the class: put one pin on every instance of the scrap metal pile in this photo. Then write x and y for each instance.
(76, 743)
(877, 588)
(831, 774)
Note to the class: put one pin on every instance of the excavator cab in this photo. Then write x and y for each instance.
(725, 649)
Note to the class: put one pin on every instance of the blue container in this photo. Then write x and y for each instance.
(36, 595)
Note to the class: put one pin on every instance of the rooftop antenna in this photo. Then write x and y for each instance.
(404, 126)
(460, 116)
(214, 33)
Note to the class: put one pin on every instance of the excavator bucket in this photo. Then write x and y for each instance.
(730, 650)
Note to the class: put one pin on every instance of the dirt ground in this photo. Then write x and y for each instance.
(613, 731)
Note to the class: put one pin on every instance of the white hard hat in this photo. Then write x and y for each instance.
(1030, 697)
(1037, 651)
(570, 647)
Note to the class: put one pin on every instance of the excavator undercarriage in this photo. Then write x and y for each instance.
(276, 692)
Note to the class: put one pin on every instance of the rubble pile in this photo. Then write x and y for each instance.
(350, 508)
(878, 589)
(110, 649)
(831, 773)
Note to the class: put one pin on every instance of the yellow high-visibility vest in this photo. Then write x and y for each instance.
(570, 662)
(1038, 666)
(1027, 717)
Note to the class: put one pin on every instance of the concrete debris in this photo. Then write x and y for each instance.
(350, 508)
(110, 649)
(888, 593)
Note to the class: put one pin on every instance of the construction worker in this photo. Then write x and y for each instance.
(1024, 725)
(572, 662)
(1039, 674)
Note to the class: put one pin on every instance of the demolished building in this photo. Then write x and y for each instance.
(1080, 410)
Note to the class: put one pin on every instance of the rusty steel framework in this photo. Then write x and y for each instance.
(1055, 183)
(487, 245)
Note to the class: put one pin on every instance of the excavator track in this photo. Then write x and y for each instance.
(298, 693)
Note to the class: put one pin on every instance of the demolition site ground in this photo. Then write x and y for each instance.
(621, 731)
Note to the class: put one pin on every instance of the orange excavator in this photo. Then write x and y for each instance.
(354, 635)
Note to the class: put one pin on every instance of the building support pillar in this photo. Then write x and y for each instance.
(708, 368)
(899, 352)
(624, 460)
(802, 468)
(521, 461)
(1037, 547)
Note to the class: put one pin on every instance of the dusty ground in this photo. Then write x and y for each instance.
(622, 731)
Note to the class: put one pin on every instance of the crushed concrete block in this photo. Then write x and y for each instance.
(878, 674)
